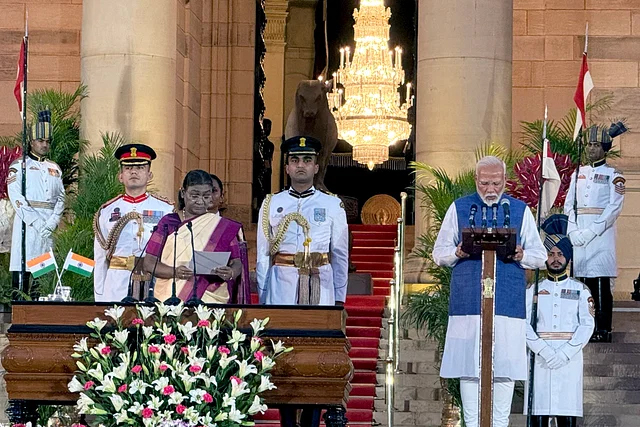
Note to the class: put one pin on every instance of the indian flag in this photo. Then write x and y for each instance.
(42, 264)
(79, 264)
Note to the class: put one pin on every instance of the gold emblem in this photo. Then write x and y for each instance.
(487, 288)
(134, 152)
(303, 142)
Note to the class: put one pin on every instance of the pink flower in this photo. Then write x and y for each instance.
(180, 409)
(185, 350)
(154, 349)
(137, 321)
(122, 388)
(136, 369)
(236, 380)
(72, 425)
(207, 398)
(224, 350)
(105, 350)
(203, 323)
(168, 390)
(19, 425)
(258, 339)
(195, 369)
(147, 413)
(163, 367)
(88, 385)
(169, 339)
(258, 355)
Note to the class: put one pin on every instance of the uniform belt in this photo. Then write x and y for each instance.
(317, 259)
(555, 335)
(124, 262)
(590, 211)
(41, 205)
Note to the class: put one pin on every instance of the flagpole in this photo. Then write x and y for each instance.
(579, 139)
(534, 306)
(23, 264)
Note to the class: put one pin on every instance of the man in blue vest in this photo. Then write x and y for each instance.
(461, 358)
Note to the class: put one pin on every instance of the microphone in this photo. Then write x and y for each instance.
(151, 299)
(174, 300)
(507, 215)
(472, 215)
(484, 216)
(494, 221)
(194, 300)
(129, 299)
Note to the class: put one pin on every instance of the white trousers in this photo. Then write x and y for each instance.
(502, 396)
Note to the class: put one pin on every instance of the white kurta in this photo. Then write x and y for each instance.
(598, 194)
(111, 284)
(462, 345)
(41, 211)
(562, 307)
(329, 234)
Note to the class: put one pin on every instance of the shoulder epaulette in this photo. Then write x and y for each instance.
(107, 203)
(16, 162)
(278, 192)
(328, 193)
(54, 163)
(618, 171)
(161, 198)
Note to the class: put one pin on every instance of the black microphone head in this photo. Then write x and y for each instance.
(474, 208)
(155, 228)
(505, 203)
(189, 225)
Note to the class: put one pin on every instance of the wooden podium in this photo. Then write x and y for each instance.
(39, 365)
(490, 244)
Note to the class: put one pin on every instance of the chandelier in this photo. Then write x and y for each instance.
(369, 112)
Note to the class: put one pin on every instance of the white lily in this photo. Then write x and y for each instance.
(235, 415)
(108, 386)
(162, 308)
(187, 380)
(96, 324)
(121, 336)
(256, 406)
(138, 386)
(228, 400)
(238, 389)
(187, 330)
(155, 403)
(265, 384)
(206, 420)
(96, 373)
(176, 310)
(81, 346)
(218, 314)
(160, 383)
(169, 349)
(222, 416)
(203, 312)
(136, 408)
(175, 398)
(122, 416)
(116, 401)
(75, 386)
(255, 343)
(258, 325)
(211, 351)
(207, 379)
(196, 395)
(165, 329)
(236, 338)
(212, 331)
(84, 404)
(145, 312)
(147, 331)
(244, 368)
(238, 315)
(224, 360)
(267, 363)
(192, 415)
(277, 347)
(125, 358)
(120, 372)
(115, 312)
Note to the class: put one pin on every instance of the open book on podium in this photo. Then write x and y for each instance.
(491, 243)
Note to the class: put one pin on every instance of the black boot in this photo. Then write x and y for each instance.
(566, 421)
(539, 421)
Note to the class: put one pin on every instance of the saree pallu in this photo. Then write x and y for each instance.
(211, 233)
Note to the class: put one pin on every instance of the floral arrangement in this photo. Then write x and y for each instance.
(160, 369)
(526, 184)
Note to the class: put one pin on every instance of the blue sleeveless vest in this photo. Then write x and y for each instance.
(466, 275)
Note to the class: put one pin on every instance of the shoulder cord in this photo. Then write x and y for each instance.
(109, 244)
(274, 243)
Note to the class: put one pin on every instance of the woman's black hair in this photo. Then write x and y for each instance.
(195, 177)
(215, 178)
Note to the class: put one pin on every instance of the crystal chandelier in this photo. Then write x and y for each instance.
(368, 112)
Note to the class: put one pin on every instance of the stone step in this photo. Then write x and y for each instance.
(626, 337)
(611, 396)
(609, 358)
(612, 370)
(588, 421)
(595, 348)
(609, 383)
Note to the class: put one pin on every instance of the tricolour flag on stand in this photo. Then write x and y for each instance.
(551, 180)
(79, 264)
(585, 84)
(42, 264)
(18, 89)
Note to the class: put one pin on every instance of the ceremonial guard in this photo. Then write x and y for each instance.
(124, 224)
(461, 358)
(43, 205)
(303, 243)
(600, 195)
(564, 325)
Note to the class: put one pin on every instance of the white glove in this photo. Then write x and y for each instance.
(547, 353)
(587, 236)
(576, 238)
(558, 360)
(40, 226)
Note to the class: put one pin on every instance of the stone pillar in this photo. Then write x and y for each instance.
(274, 66)
(464, 81)
(128, 62)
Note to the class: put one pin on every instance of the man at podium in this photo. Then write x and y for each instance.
(488, 207)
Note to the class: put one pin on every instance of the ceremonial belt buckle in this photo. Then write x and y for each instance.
(590, 211)
(122, 262)
(316, 259)
(556, 335)
(41, 205)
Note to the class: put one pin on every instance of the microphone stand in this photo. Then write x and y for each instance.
(129, 299)
(194, 300)
(151, 299)
(174, 300)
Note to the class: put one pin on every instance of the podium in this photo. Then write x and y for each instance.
(490, 244)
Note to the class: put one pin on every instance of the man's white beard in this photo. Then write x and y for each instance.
(489, 202)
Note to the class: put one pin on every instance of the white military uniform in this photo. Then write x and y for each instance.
(329, 234)
(110, 277)
(565, 323)
(600, 198)
(41, 210)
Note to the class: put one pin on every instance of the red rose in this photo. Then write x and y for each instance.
(147, 413)
(180, 409)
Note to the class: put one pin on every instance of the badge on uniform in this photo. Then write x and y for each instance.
(280, 209)
(544, 292)
(115, 215)
(34, 168)
(151, 217)
(54, 172)
(570, 294)
(319, 214)
(600, 179)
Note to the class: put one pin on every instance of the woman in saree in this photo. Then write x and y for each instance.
(198, 201)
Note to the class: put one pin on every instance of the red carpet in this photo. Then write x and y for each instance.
(372, 252)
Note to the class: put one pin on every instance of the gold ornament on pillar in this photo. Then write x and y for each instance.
(369, 112)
